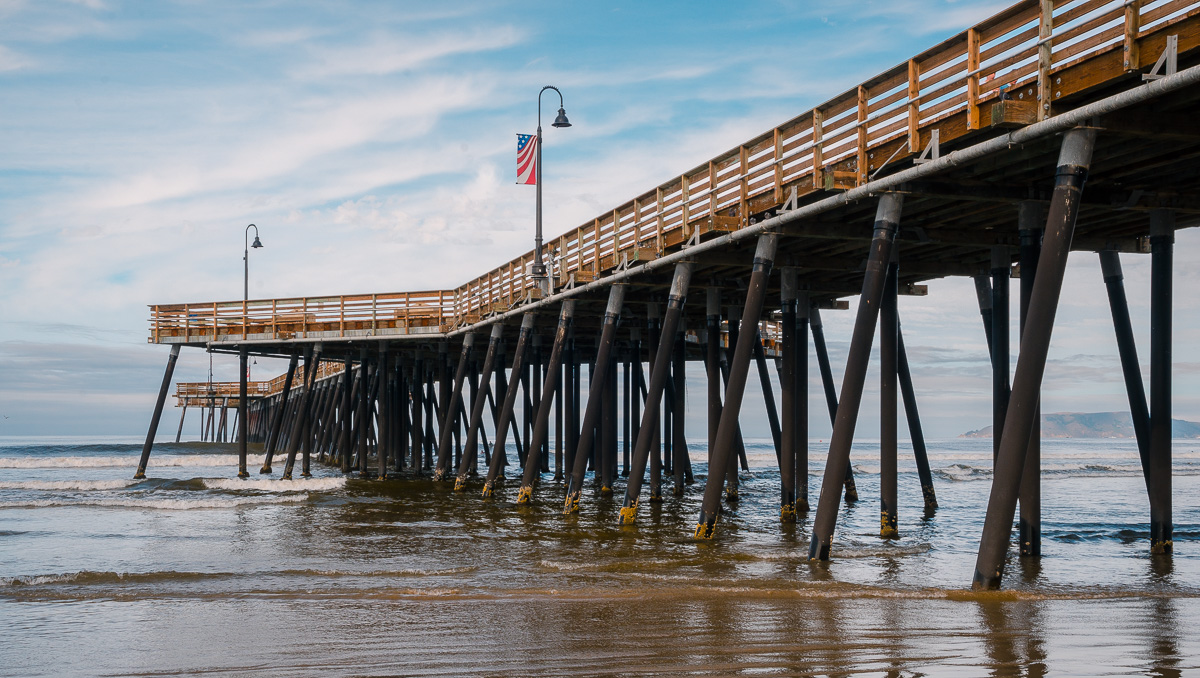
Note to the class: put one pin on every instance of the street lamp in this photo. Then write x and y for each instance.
(246, 263)
(243, 354)
(539, 268)
(246, 258)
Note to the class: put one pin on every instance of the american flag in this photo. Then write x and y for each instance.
(526, 159)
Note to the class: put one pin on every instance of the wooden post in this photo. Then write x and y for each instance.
(863, 99)
(818, 159)
(658, 219)
(778, 165)
(1045, 57)
(1133, 26)
(744, 186)
(972, 78)
(914, 106)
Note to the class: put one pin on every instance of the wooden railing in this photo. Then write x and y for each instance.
(325, 369)
(219, 389)
(1033, 54)
(306, 317)
(202, 391)
(224, 393)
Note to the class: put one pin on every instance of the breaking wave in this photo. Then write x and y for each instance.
(130, 461)
(275, 485)
(50, 485)
(160, 503)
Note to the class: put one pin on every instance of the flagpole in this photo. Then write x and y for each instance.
(538, 270)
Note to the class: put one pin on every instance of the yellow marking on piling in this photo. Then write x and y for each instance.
(787, 513)
(628, 514)
(887, 526)
(571, 504)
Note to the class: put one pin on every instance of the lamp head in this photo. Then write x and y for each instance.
(256, 244)
(561, 120)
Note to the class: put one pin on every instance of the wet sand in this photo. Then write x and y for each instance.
(193, 572)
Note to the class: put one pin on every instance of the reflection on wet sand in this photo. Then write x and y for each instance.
(1012, 637)
(1163, 639)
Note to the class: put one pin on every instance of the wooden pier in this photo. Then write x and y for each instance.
(1048, 128)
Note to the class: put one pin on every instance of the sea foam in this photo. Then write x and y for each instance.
(51, 485)
(276, 485)
(156, 503)
(130, 461)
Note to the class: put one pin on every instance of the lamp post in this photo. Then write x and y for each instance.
(246, 258)
(243, 355)
(539, 268)
(246, 264)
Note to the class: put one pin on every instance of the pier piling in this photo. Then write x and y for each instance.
(887, 221)
(764, 258)
(311, 357)
(280, 409)
(541, 428)
(449, 409)
(243, 360)
(1074, 160)
(158, 408)
(477, 405)
(889, 423)
(648, 428)
(591, 414)
(1162, 244)
(1030, 222)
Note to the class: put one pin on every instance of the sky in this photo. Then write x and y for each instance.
(373, 144)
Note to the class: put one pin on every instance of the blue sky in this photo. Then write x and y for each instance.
(373, 144)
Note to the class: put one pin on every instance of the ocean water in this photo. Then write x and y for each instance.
(195, 571)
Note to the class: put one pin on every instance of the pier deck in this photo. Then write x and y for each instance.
(872, 131)
(1076, 119)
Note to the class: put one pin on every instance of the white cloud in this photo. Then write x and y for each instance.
(12, 61)
(389, 53)
(280, 36)
(292, 139)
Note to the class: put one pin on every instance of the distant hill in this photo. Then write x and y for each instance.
(1094, 425)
